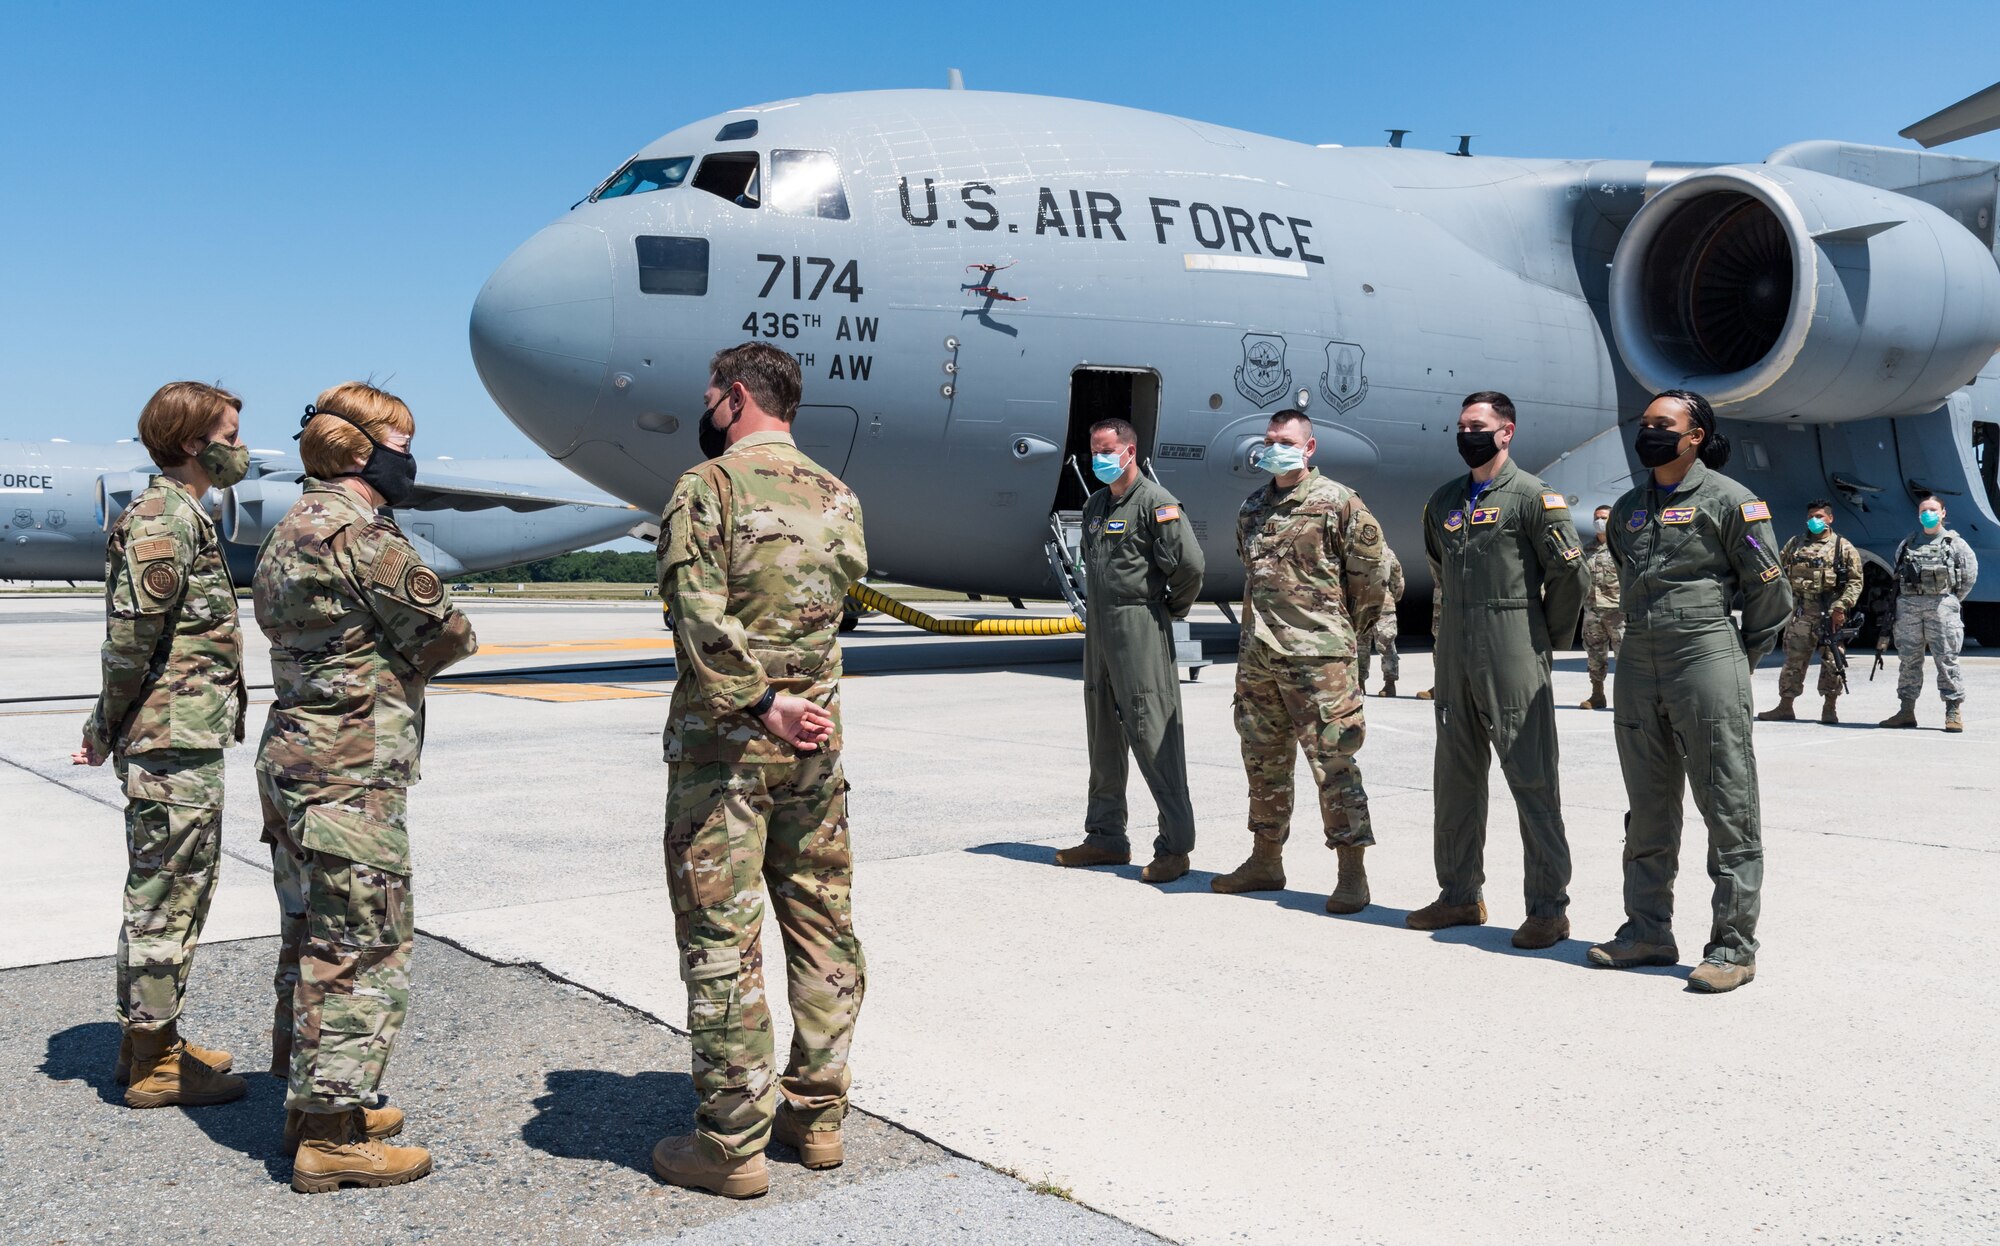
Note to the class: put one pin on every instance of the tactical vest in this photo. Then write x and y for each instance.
(1813, 567)
(1929, 568)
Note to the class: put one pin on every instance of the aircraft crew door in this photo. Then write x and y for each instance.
(1129, 394)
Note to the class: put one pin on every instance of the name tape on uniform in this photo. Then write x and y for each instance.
(1772, 573)
(1486, 514)
(1677, 514)
(1754, 511)
(1114, 525)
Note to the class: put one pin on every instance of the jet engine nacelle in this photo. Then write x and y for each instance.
(115, 491)
(252, 507)
(1783, 294)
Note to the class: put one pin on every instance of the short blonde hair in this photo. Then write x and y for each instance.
(180, 412)
(329, 445)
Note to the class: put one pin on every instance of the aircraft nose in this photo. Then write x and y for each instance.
(541, 332)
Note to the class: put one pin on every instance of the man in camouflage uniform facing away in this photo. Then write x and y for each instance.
(358, 626)
(172, 701)
(1824, 570)
(1502, 549)
(1382, 637)
(1603, 621)
(1316, 576)
(758, 547)
(1935, 571)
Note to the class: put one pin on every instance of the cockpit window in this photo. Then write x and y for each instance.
(640, 176)
(731, 175)
(807, 183)
(672, 265)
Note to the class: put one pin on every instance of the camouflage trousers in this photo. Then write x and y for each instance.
(1603, 630)
(1283, 703)
(1799, 651)
(340, 863)
(1933, 625)
(730, 826)
(1382, 640)
(173, 844)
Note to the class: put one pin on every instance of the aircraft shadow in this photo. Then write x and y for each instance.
(253, 1125)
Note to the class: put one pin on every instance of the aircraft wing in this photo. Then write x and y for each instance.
(1975, 114)
(436, 492)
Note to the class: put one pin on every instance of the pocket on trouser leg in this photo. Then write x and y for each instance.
(700, 872)
(714, 985)
(346, 1064)
(1343, 800)
(1731, 781)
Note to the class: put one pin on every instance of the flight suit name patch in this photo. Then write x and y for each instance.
(1677, 514)
(1486, 514)
(1114, 525)
(1554, 502)
(1637, 521)
(1162, 514)
(1454, 521)
(1754, 511)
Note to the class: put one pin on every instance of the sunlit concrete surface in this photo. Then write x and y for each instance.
(1214, 1068)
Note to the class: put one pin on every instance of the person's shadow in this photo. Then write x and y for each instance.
(612, 1117)
(253, 1125)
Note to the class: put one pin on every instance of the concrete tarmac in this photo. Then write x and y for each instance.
(1207, 1068)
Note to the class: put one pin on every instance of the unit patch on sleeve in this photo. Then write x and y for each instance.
(161, 580)
(1163, 514)
(1637, 521)
(1754, 511)
(423, 586)
(1554, 502)
(1677, 514)
(388, 569)
(154, 550)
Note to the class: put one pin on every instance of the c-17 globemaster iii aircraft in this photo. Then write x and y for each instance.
(57, 501)
(970, 279)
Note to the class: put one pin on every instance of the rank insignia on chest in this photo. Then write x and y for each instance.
(1754, 511)
(1677, 514)
(1166, 514)
(1114, 525)
(1637, 521)
(1554, 502)
(1772, 573)
(1486, 514)
(1454, 521)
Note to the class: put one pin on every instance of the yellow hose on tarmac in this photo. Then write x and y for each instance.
(862, 595)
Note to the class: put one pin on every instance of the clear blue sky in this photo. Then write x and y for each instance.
(284, 195)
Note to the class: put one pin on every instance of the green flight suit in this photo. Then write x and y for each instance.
(1682, 694)
(1142, 570)
(1511, 574)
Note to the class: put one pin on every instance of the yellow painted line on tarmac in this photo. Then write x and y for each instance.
(545, 690)
(630, 644)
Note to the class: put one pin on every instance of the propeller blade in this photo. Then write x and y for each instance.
(1975, 114)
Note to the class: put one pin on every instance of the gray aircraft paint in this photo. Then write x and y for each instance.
(52, 526)
(1244, 272)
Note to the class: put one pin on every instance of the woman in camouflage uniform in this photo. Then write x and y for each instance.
(172, 701)
(358, 625)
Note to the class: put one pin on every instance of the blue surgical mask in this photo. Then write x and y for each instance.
(1815, 525)
(1280, 459)
(1106, 467)
(1930, 519)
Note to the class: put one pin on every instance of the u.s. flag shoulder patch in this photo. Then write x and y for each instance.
(153, 550)
(1164, 514)
(1554, 502)
(1772, 573)
(1754, 511)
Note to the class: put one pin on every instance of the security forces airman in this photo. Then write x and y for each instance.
(1824, 570)
(1935, 569)
(1142, 571)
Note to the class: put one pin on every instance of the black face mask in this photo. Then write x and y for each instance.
(1477, 448)
(391, 473)
(713, 440)
(1657, 447)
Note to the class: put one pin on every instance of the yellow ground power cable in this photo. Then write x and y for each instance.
(862, 595)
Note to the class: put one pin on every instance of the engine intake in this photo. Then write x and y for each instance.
(1784, 294)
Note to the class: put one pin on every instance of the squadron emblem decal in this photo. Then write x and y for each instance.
(1263, 374)
(1343, 384)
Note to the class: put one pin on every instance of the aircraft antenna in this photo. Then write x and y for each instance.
(954, 80)
(1396, 137)
(1465, 144)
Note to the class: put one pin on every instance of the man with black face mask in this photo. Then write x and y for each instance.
(1505, 558)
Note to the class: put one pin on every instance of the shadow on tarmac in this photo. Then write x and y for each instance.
(611, 1117)
(88, 1054)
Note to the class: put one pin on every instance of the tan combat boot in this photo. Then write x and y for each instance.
(1905, 717)
(1780, 713)
(1388, 688)
(1827, 714)
(691, 1162)
(333, 1152)
(1263, 871)
(1713, 977)
(817, 1148)
(164, 1074)
(1427, 694)
(1630, 954)
(1087, 853)
(1953, 721)
(1541, 932)
(1595, 701)
(1437, 915)
(376, 1124)
(1350, 891)
(220, 1061)
(1167, 867)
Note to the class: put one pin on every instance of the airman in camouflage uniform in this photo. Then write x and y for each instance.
(172, 701)
(358, 627)
(758, 547)
(1382, 637)
(1603, 621)
(1824, 570)
(1316, 577)
(1935, 571)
